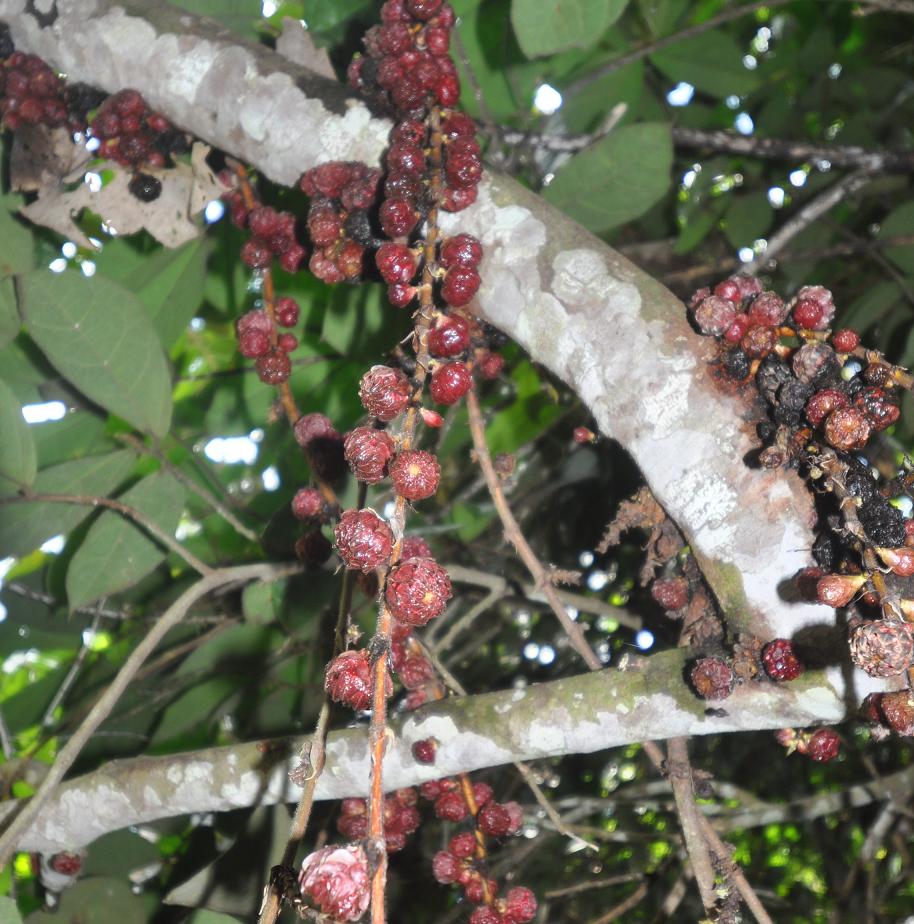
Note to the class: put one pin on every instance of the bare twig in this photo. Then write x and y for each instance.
(623, 907)
(149, 525)
(604, 883)
(6, 741)
(70, 679)
(803, 218)
(39, 597)
(680, 773)
(202, 492)
(100, 711)
(514, 533)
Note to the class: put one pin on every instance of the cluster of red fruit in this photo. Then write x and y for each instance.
(341, 194)
(133, 135)
(401, 818)
(272, 235)
(30, 92)
(820, 745)
(806, 385)
(259, 339)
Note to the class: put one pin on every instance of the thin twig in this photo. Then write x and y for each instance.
(70, 679)
(803, 218)
(514, 533)
(623, 907)
(317, 747)
(151, 527)
(603, 883)
(6, 740)
(38, 597)
(202, 492)
(102, 709)
(680, 773)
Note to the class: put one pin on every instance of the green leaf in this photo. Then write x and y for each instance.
(747, 219)
(9, 316)
(241, 16)
(97, 334)
(617, 179)
(25, 525)
(17, 449)
(117, 552)
(17, 255)
(874, 304)
(544, 27)
(261, 602)
(662, 15)
(712, 62)
(170, 285)
(9, 913)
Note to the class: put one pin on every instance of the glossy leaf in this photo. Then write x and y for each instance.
(9, 316)
(712, 62)
(25, 526)
(544, 27)
(17, 448)
(617, 179)
(98, 335)
(117, 552)
(17, 253)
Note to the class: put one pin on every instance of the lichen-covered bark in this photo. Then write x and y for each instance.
(577, 715)
(610, 331)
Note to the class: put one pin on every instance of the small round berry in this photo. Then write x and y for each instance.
(450, 806)
(460, 250)
(485, 915)
(822, 745)
(144, 187)
(881, 412)
(712, 678)
(845, 340)
(671, 593)
(456, 200)
(463, 163)
(337, 881)
(583, 435)
(384, 392)
(458, 125)
(417, 590)
(424, 751)
(308, 504)
(363, 539)
(463, 845)
(287, 311)
(423, 9)
(368, 452)
(416, 672)
(396, 263)
(520, 905)
(348, 679)
(731, 290)
(898, 710)
(808, 315)
(313, 427)
(290, 260)
(415, 547)
(489, 365)
(714, 315)
(274, 368)
(450, 383)
(253, 343)
(446, 867)
(838, 590)
(415, 474)
(758, 342)
(287, 342)
(449, 337)
(398, 217)
(400, 295)
(738, 329)
(780, 660)
(767, 310)
(847, 428)
(813, 360)
(498, 820)
(256, 253)
(822, 297)
(822, 403)
(460, 285)
(882, 648)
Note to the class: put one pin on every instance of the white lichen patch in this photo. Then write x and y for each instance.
(242, 791)
(151, 798)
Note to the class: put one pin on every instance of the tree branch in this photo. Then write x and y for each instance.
(583, 714)
(611, 332)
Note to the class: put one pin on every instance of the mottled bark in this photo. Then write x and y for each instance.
(582, 714)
